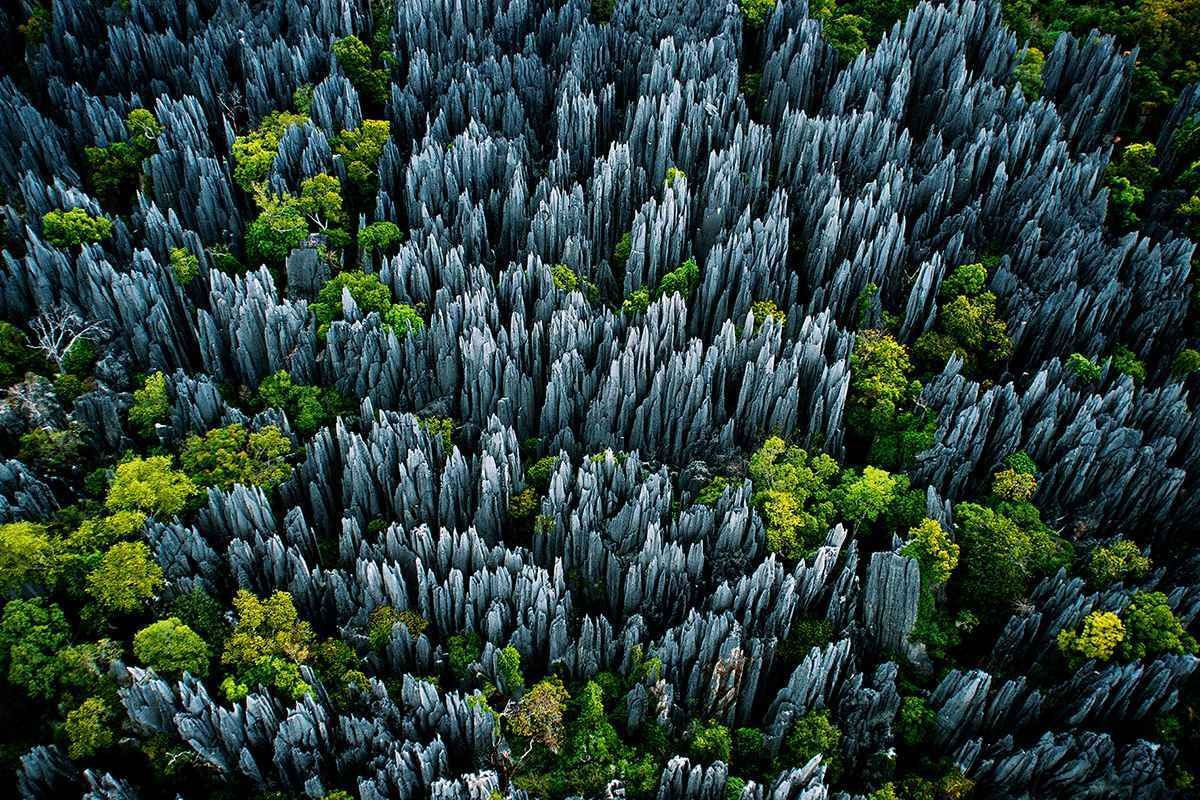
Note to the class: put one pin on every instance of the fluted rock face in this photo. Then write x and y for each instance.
(544, 168)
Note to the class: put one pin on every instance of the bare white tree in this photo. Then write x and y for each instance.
(57, 329)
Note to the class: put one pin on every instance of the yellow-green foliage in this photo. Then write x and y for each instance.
(1029, 73)
(235, 454)
(74, 227)
(170, 648)
(89, 728)
(539, 716)
(149, 485)
(1118, 561)
(933, 549)
(1099, 637)
(1152, 629)
(361, 150)
(1009, 484)
(441, 428)
(793, 492)
(764, 309)
(879, 382)
(25, 554)
(254, 153)
(267, 646)
(813, 734)
(1002, 551)
(185, 265)
(126, 579)
(150, 404)
(968, 325)
(523, 504)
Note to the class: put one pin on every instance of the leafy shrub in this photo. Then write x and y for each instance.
(709, 742)
(1028, 73)
(74, 228)
(915, 722)
(1099, 637)
(1118, 561)
(308, 407)
(88, 728)
(1083, 368)
(150, 404)
(379, 237)
(149, 485)
(170, 647)
(1152, 629)
(267, 646)
(1124, 361)
(813, 734)
(235, 454)
(126, 579)
(254, 153)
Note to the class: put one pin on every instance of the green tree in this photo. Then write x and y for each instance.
(308, 407)
(863, 498)
(89, 728)
(968, 325)
(845, 34)
(254, 153)
(185, 265)
(370, 295)
(881, 395)
(1152, 629)
(267, 646)
(637, 302)
(279, 229)
(915, 722)
(764, 309)
(149, 485)
(814, 734)
(80, 357)
(934, 551)
(126, 579)
(170, 647)
(539, 716)
(1187, 362)
(793, 493)
(200, 612)
(1002, 551)
(622, 250)
(1028, 73)
(681, 280)
(115, 170)
(1126, 362)
(1083, 368)
(709, 742)
(756, 12)
(1009, 484)
(361, 150)
(235, 454)
(32, 634)
(54, 451)
(16, 356)
(463, 650)
(150, 404)
(321, 201)
(74, 227)
(380, 237)
(1098, 638)
(592, 749)
(356, 60)
(1118, 561)
(26, 554)
(508, 671)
